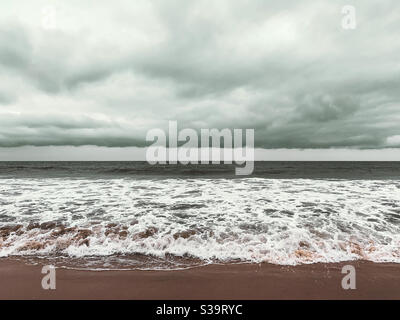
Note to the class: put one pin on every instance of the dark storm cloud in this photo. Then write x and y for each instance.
(52, 64)
(107, 74)
(53, 129)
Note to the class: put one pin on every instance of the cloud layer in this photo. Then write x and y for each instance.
(103, 73)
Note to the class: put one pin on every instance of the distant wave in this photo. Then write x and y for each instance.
(274, 170)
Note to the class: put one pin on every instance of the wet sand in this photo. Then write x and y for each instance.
(240, 281)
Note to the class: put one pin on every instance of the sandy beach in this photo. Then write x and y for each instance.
(236, 281)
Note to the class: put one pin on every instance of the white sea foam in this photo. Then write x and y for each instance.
(259, 220)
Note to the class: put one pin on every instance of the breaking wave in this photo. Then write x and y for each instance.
(170, 223)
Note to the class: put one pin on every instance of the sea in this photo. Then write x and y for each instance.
(133, 215)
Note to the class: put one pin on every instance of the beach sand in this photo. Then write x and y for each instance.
(235, 281)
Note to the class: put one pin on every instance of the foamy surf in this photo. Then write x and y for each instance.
(174, 223)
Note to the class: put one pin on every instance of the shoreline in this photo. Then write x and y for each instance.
(223, 282)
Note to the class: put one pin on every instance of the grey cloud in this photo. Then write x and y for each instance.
(6, 98)
(17, 130)
(54, 120)
(53, 64)
(286, 69)
(15, 47)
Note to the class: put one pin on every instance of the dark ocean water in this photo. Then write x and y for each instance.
(134, 215)
(270, 170)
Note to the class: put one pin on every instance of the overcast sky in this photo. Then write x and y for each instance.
(102, 73)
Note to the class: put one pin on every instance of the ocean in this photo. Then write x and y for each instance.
(132, 215)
